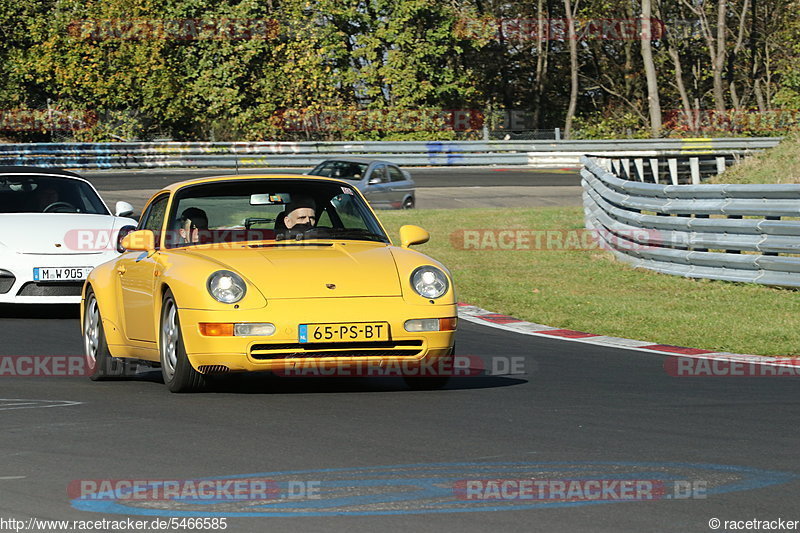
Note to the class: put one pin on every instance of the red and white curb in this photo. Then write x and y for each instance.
(474, 314)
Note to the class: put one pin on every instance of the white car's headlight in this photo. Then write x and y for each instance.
(429, 282)
(226, 286)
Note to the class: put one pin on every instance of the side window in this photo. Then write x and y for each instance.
(324, 170)
(378, 172)
(395, 174)
(153, 217)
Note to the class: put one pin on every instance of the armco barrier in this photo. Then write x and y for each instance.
(696, 231)
(302, 154)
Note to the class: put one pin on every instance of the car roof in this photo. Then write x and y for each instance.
(9, 169)
(246, 177)
(359, 160)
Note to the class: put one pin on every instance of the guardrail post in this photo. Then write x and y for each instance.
(558, 134)
(721, 164)
(639, 162)
(673, 170)
(654, 169)
(694, 165)
(626, 167)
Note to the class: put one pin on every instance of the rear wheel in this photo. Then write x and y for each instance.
(179, 375)
(100, 363)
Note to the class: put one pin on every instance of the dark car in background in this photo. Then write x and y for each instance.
(384, 184)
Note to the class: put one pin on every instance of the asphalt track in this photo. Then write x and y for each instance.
(572, 411)
(437, 188)
(111, 180)
(382, 457)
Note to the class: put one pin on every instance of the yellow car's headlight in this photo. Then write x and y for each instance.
(226, 286)
(429, 282)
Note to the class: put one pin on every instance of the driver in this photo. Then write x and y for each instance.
(301, 214)
(45, 197)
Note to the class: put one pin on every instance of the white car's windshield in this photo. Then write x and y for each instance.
(273, 209)
(48, 194)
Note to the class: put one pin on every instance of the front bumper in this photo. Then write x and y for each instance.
(24, 290)
(281, 352)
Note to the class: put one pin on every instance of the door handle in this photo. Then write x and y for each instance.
(121, 269)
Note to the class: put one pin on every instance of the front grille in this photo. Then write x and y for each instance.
(64, 288)
(7, 280)
(336, 349)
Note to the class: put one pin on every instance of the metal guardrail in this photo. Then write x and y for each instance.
(293, 154)
(696, 231)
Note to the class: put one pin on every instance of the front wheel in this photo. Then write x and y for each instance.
(179, 375)
(432, 382)
(100, 363)
(408, 203)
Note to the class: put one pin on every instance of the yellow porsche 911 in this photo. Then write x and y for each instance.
(280, 273)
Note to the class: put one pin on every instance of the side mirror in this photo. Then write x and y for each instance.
(123, 209)
(143, 240)
(123, 231)
(410, 235)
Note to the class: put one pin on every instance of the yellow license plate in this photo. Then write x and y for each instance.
(345, 332)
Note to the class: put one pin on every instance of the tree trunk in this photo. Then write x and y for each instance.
(718, 59)
(653, 102)
(573, 64)
(542, 49)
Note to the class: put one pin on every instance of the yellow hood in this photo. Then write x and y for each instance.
(312, 270)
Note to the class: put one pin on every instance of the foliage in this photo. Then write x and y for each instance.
(152, 69)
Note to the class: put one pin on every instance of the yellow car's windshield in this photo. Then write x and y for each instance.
(269, 209)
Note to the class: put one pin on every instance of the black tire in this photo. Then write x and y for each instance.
(429, 382)
(178, 373)
(100, 364)
(408, 203)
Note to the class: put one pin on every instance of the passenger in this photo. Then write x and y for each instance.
(193, 220)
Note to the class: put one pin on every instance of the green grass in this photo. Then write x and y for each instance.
(588, 290)
(776, 165)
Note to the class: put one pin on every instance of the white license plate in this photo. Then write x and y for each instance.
(61, 273)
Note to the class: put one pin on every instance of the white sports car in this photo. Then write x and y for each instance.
(54, 228)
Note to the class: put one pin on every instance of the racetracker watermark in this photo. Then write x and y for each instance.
(44, 366)
(567, 239)
(199, 490)
(89, 240)
(557, 29)
(575, 490)
(732, 120)
(718, 367)
(46, 120)
(189, 29)
(458, 366)
(121, 524)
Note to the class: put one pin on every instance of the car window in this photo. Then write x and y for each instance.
(395, 174)
(344, 170)
(257, 209)
(323, 169)
(153, 217)
(48, 194)
(379, 172)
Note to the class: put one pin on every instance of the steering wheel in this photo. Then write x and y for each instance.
(58, 204)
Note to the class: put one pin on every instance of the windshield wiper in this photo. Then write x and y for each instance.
(358, 232)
